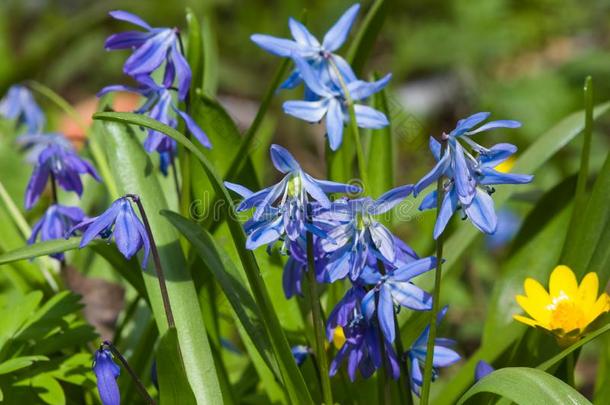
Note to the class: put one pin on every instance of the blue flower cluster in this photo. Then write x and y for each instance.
(330, 82)
(55, 161)
(156, 49)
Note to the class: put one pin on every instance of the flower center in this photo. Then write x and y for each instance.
(566, 315)
(295, 185)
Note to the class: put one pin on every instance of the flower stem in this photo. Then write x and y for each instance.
(353, 126)
(134, 376)
(427, 379)
(318, 323)
(404, 388)
(157, 260)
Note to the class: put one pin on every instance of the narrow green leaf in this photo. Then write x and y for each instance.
(17, 363)
(173, 383)
(210, 56)
(525, 386)
(293, 380)
(381, 151)
(362, 44)
(40, 249)
(194, 51)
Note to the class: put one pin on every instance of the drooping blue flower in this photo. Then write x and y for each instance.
(19, 104)
(363, 346)
(35, 143)
(160, 106)
(443, 355)
(120, 221)
(395, 287)
(353, 233)
(300, 353)
(317, 55)
(64, 165)
(281, 209)
(152, 48)
(482, 369)
(469, 179)
(56, 223)
(106, 372)
(331, 104)
(295, 267)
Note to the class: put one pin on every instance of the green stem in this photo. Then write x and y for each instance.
(353, 126)
(427, 378)
(404, 383)
(318, 324)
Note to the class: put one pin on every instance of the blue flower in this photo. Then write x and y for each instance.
(281, 209)
(19, 104)
(56, 222)
(353, 233)
(508, 226)
(35, 143)
(469, 178)
(331, 103)
(152, 48)
(395, 287)
(363, 346)
(300, 353)
(106, 372)
(443, 355)
(482, 369)
(307, 47)
(64, 165)
(129, 233)
(160, 106)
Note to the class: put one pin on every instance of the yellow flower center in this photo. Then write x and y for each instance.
(567, 315)
(294, 186)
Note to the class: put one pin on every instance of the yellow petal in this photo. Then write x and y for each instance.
(587, 291)
(563, 281)
(338, 337)
(533, 308)
(536, 292)
(601, 305)
(527, 321)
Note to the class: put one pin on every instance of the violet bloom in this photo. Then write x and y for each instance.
(300, 353)
(19, 104)
(55, 224)
(120, 221)
(443, 355)
(152, 48)
(331, 104)
(482, 369)
(395, 287)
(469, 181)
(281, 209)
(64, 165)
(317, 55)
(35, 143)
(353, 233)
(296, 266)
(160, 106)
(106, 372)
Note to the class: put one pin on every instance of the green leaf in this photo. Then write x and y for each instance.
(47, 387)
(293, 380)
(132, 170)
(525, 386)
(218, 263)
(194, 51)
(18, 363)
(381, 152)
(364, 41)
(210, 56)
(173, 384)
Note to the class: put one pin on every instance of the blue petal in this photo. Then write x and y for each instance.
(101, 223)
(239, 189)
(292, 81)
(117, 87)
(491, 176)
(497, 154)
(312, 80)
(410, 296)
(277, 46)
(264, 235)
(126, 40)
(150, 55)
(345, 70)
(465, 124)
(194, 128)
(310, 111)
(368, 117)
(183, 71)
(334, 124)
(416, 375)
(36, 185)
(334, 187)
(315, 191)
(496, 124)
(385, 314)
(383, 240)
(337, 34)
(106, 373)
(414, 269)
(360, 90)
(464, 183)
(429, 201)
(482, 369)
(270, 198)
(435, 148)
(129, 17)
(444, 357)
(301, 34)
(481, 212)
(368, 304)
(448, 207)
(283, 160)
(390, 199)
(126, 235)
(439, 169)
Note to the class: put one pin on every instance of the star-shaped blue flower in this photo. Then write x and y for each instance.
(56, 223)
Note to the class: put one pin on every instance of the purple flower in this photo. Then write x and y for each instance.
(64, 165)
(395, 287)
(316, 54)
(482, 369)
(160, 106)
(106, 372)
(152, 48)
(35, 143)
(469, 178)
(281, 209)
(353, 233)
(331, 104)
(56, 223)
(129, 233)
(300, 353)
(443, 355)
(19, 104)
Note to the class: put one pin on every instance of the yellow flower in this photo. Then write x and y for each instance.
(567, 309)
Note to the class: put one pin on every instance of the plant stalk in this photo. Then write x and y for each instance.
(157, 260)
(427, 378)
